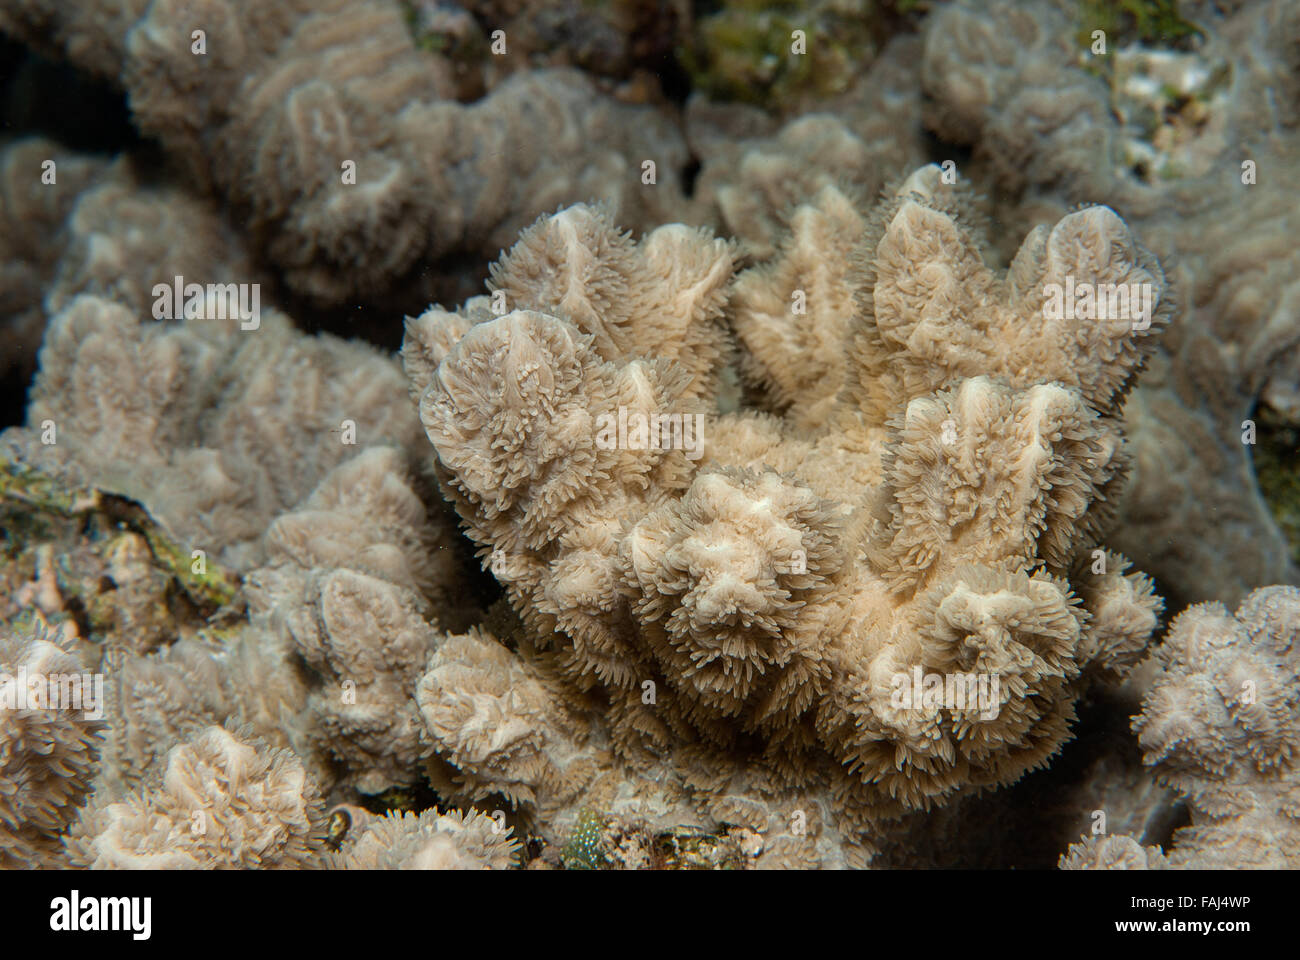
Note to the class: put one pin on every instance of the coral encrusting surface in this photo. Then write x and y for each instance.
(736, 604)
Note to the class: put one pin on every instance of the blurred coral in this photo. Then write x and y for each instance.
(343, 145)
(1052, 125)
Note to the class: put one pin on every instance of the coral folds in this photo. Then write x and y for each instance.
(746, 610)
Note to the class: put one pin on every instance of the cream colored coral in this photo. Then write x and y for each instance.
(431, 840)
(354, 576)
(48, 751)
(1111, 853)
(224, 801)
(755, 173)
(32, 210)
(213, 428)
(282, 100)
(1220, 726)
(747, 609)
(496, 725)
(1048, 129)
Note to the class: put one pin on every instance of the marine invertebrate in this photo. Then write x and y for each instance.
(745, 605)
(430, 840)
(193, 418)
(1117, 852)
(755, 171)
(49, 744)
(33, 211)
(1220, 725)
(1049, 126)
(289, 99)
(223, 801)
(349, 600)
(812, 622)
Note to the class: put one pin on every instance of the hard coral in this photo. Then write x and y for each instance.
(744, 603)
(1050, 125)
(289, 96)
(1219, 725)
(193, 420)
(431, 840)
(222, 802)
(48, 747)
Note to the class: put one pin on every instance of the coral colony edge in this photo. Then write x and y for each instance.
(649, 435)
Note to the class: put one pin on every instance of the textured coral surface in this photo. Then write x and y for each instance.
(540, 434)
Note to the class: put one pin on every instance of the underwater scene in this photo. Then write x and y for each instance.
(649, 435)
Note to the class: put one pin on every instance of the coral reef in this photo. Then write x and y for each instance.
(743, 603)
(343, 146)
(32, 208)
(1112, 853)
(761, 511)
(1052, 124)
(193, 418)
(221, 802)
(755, 172)
(429, 841)
(47, 755)
(1219, 726)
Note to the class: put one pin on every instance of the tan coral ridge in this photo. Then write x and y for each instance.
(48, 750)
(280, 100)
(738, 619)
(1050, 124)
(1219, 725)
(224, 800)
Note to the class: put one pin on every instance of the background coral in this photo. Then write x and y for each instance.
(286, 98)
(48, 751)
(194, 418)
(1052, 124)
(222, 801)
(430, 840)
(1220, 725)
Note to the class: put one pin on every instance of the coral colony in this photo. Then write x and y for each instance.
(740, 440)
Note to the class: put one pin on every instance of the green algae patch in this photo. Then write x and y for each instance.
(1153, 23)
(36, 507)
(778, 54)
(585, 848)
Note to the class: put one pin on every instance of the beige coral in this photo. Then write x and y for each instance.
(1116, 852)
(755, 173)
(48, 748)
(32, 210)
(747, 608)
(354, 574)
(1050, 125)
(194, 419)
(430, 840)
(287, 97)
(223, 801)
(1220, 725)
